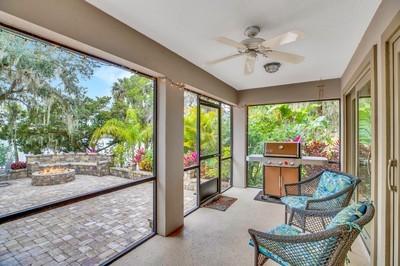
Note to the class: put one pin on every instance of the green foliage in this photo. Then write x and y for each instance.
(40, 95)
(316, 121)
(118, 157)
(208, 131)
(3, 154)
(364, 121)
(147, 163)
(43, 107)
(134, 97)
(190, 129)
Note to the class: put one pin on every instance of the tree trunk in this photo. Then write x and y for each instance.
(16, 157)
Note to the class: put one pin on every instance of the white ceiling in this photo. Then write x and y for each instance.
(189, 27)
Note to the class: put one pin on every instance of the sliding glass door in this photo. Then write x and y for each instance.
(360, 138)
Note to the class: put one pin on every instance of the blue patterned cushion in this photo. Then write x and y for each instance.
(298, 202)
(282, 230)
(348, 215)
(331, 183)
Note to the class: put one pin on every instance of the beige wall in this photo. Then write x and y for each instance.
(239, 146)
(373, 36)
(383, 16)
(80, 21)
(306, 91)
(169, 158)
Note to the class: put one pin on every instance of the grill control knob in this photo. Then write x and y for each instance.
(280, 163)
(269, 162)
(291, 163)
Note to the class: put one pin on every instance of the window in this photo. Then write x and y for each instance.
(77, 152)
(208, 129)
(317, 124)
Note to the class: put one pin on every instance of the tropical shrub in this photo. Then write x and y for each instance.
(18, 165)
(146, 165)
(190, 159)
(139, 155)
(316, 124)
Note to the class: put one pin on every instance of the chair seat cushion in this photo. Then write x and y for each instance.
(331, 183)
(298, 202)
(348, 215)
(282, 230)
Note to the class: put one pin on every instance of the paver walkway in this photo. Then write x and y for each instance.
(84, 233)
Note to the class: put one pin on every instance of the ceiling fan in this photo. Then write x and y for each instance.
(253, 46)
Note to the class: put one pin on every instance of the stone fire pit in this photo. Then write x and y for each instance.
(52, 176)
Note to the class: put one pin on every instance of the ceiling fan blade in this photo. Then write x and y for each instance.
(283, 39)
(286, 57)
(223, 59)
(250, 63)
(231, 43)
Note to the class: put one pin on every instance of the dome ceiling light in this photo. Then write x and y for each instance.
(272, 67)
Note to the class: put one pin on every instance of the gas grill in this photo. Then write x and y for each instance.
(281, 165)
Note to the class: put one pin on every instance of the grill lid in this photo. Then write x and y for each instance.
(282, 149)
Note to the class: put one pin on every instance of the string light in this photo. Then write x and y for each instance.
(174, 84)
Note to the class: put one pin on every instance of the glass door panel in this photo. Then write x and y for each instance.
(226, 174)
(209, 150)
(364, 142)
(190, 183)
(209, 169)
(209, 178)
(209, 130)
(226, 147)
(191, 154)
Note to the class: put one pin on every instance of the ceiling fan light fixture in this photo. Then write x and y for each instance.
(272, 67)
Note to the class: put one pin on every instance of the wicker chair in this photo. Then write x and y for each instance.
(311, 194)
(326, 247)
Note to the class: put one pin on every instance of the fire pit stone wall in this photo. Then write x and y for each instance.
(47, 179)
(82, 163)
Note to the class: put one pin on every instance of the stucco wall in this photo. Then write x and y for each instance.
(306, 91)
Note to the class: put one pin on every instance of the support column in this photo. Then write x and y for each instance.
(239, 147)
(169, 157)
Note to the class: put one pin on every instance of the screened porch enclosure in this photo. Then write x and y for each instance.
(77, 178)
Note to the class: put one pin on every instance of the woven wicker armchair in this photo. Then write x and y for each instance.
(308, 195)
(326, 247)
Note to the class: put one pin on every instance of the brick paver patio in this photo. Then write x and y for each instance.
(84, 233)
(21, 194)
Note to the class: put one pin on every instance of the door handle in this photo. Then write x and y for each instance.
(391, 164)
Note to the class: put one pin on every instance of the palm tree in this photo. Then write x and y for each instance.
(126, 133)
